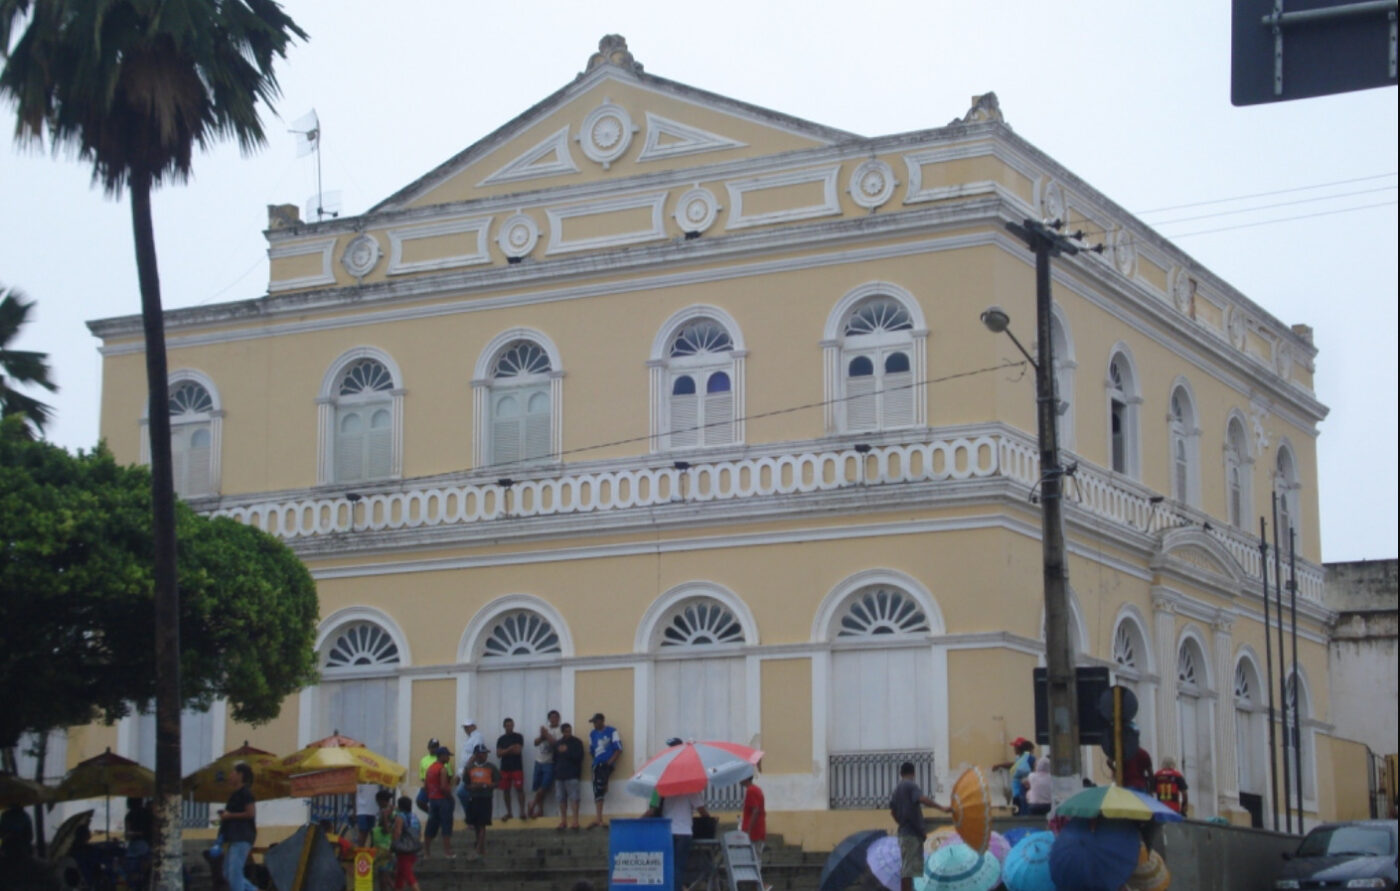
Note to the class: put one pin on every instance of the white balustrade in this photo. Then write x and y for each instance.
(995, 452)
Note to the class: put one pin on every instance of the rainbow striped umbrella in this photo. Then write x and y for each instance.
(1114, 802)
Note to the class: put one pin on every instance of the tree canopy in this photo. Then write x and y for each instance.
(24, 367)
(77, 601)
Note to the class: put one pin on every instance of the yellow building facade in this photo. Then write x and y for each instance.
(663, 405)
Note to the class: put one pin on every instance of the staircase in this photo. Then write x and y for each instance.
(530, 859)
(535, 857)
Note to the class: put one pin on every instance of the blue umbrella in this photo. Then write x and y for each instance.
(1095, 855)
(846, 864)
(958, 867)
(1013, 836)
(1027, 867)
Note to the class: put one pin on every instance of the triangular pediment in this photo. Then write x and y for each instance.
(613, 122)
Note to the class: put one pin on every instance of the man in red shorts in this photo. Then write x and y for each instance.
(509, 746)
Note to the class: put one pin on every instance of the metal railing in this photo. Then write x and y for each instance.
(866, 779)
(725, 798)
(195, 814)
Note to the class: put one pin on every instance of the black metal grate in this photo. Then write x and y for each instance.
(866, 779)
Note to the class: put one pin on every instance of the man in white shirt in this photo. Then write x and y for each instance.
(680, 810)
(366, 810)
(474, 737)
(543, 780)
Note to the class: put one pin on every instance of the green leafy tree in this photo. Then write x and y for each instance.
(23, 367)
(132, 86)
(76, 592)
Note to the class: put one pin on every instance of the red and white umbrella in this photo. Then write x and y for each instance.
(692, 766)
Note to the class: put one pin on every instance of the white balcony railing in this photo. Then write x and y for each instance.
(986, 452)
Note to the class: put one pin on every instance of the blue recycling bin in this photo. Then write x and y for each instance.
(640, 854)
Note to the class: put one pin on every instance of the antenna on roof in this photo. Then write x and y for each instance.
(308, 130)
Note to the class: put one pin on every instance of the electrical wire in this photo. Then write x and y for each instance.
(1339, 182)
(1304, 216)
(1226, 213)
(632, 440)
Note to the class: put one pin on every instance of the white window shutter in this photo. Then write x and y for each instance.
(505, 429)
(349, 447)
(379, 445)
(179, 446)
(899, 400)
(197, 462)
(860, 403)
(537, 426)
(685, 415)
(719, 418)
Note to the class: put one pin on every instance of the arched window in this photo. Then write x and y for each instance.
(1251, 745)
(695, 382)
(1123, 402)
(520, 633)
(699, 680)
(361, 419)
(517, 397)
(358, 693)
(1194, 723)
(1182, 435)
(1131, 666)
(1238, 470)
(196, 429)
(1299, 736)
(192, 438)
(1062, 348)
(875, 361)
(517, 651)
(1287, 486)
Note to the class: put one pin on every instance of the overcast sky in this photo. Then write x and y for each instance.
(1133, 97)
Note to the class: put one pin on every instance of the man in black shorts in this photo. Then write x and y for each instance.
(481, 778)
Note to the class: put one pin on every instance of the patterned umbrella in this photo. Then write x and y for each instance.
(103, 776)
(884, 861)
(959, 868)
(1094, 855)
(1116, 803)
(18, 790)
(337, 764)
(212, 782)
(972, 809)
(1027, 866)
(692, 766)
(941, 837)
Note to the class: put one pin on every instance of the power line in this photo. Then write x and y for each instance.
(1305, 216)
(1340, 182)
(1226, 213)
(631, 440)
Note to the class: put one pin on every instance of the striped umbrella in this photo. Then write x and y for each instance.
(692, 767)
(1114, 802)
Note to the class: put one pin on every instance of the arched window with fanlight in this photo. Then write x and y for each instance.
(1251, 733)
(196, 433)
(516, 645)
(517, 399)
(697, 634)
(697, 381)
(1123, 402)
(358, 692)
(1132, 666)
(1239, 467)
(1298, 732)
(875, 361)
(1182, 434)
(1195, 732)
(361, 419)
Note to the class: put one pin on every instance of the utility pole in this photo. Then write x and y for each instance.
(1269, 670)
(1066, 767)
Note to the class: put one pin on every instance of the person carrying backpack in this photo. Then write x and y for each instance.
(407, 843)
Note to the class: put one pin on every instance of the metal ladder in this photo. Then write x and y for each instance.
(741, 861)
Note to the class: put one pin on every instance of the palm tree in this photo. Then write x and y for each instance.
(132, 86)
(21, 366)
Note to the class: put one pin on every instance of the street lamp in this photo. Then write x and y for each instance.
(1065, 763)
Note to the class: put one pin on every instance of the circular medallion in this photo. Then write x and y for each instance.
(872, 184)
(518, 236)
(361, 255)
(606, 133)
(1182, 289)
(1124, 254)
(1234, 327)
(696, 210)
(1052, 201)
